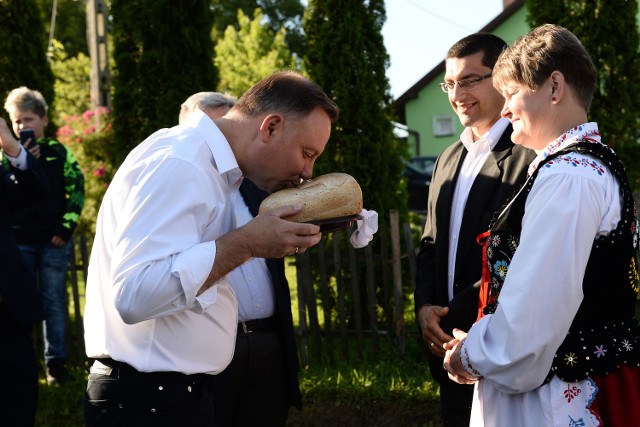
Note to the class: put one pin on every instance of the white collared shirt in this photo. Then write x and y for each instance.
(477, 153)
(18, 162)
(154, 248)
(573, 200)
(252, 280)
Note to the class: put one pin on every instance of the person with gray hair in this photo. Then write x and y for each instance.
(213, 104)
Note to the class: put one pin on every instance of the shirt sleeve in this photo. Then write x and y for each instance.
(20, 161)
(514, 348)
(161, 258)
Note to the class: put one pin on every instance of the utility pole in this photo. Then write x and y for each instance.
(97, 41)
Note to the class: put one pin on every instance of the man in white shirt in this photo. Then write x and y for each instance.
(472, 179)
(160, 316)
(261, 382)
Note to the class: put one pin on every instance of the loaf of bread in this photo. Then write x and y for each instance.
(334, 195)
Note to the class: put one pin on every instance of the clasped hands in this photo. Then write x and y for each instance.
(442, 344)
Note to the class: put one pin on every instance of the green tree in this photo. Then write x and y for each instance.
(72, 81)
(162, 52)
(23, 44)
(278, 13)
(70, 27)
(245, 56)
(347, 57)
(609, 32)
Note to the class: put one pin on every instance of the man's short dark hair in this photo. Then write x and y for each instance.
(285, 92)
(490, 45)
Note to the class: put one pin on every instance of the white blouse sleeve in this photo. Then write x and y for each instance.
(514, 348)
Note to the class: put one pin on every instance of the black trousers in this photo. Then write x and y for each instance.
(118, 395)
(18, 373)
(252, 391)
(455, 403)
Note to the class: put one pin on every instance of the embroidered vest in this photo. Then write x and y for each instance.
(604, 333)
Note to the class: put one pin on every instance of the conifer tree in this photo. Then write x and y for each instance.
(23, 43)
(609, 32)
(347, 57)
(162, 54)
(278, 14)
(245, 56)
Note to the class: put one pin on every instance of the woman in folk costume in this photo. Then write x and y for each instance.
(558, 343)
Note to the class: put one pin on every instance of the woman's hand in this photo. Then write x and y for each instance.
(453, 361)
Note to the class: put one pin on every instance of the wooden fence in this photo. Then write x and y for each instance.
(330, 282)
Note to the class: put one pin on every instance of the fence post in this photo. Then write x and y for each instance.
(326, 301)
(302, 315)
(73, 273)
(411, 253)
(371, 296)
(342, 317)
(397, 279)
(355, 291)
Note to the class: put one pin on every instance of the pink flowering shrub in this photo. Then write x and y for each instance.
(89, 138)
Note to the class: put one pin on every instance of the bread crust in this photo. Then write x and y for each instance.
(334, 195)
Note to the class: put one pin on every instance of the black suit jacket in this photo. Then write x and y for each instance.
(253, 196)
(17, 285)
(502, 174)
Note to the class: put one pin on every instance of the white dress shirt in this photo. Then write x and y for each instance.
(571, 202)
(477, 153)
(251, 281)
(155, 246)
(18, 162)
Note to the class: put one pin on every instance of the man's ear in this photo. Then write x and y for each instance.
(271, 125)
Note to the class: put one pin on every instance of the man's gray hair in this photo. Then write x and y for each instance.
(204, 101)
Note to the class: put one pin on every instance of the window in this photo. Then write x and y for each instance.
(443, 125)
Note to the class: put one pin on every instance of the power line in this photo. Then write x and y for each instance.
(435, 15)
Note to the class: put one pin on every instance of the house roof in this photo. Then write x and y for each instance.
(414, 90)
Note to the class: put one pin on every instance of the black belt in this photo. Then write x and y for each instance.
(257, 325)
(116, 369)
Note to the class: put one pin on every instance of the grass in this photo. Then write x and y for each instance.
(380, 390)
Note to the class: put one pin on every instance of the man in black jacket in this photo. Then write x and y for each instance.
(22, 183)
(472, 179)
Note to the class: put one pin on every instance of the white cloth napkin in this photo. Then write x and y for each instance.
(367, 226)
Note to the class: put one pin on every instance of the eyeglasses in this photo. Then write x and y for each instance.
(467, 84)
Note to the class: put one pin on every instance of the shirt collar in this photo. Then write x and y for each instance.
(588, 131)
(223, 158)
(487, 141)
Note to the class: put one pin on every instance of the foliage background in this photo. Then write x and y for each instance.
(246, 55)
(609, 31)
(162, 52)
(23, 44)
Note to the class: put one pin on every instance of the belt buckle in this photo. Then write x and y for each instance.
(244, 327)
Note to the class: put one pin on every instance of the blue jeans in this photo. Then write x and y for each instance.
(49, 264)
